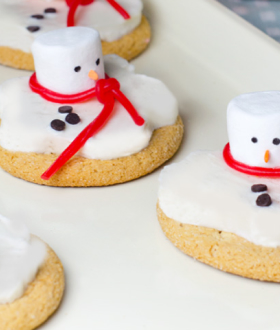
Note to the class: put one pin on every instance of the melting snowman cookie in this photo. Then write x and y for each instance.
(123, 29)
(229, 218)
(31, 278)
(85, 120)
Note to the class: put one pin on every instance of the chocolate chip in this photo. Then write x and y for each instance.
(264, 200)
(50, 10)
(58, 125)
(37, 16)
(72, 118)
(33, 28)
(258, 188)
(276, 141)
(65, 109)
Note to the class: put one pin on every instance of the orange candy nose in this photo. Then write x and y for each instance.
(266, 156)
(93, 75)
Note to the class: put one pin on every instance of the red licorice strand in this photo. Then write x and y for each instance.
(119, 9)
(103, 86)
(113, 86)
(71, 14)
(87, 95)
(54, 97)
(124, 101)
(250, 170)
(82, 138)
(75, 4)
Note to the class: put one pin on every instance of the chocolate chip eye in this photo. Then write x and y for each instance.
(276, 141)
(77, 69)
(98, 61)
(50, 10)
(254, 140)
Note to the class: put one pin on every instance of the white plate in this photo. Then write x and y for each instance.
(121, 271)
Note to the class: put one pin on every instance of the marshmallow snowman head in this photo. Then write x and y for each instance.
(69, 60)
(253, 122)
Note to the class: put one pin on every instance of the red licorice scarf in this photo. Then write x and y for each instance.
(251, 170)
(106, 91)
(74, 4)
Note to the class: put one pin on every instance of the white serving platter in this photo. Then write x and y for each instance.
(121, 271)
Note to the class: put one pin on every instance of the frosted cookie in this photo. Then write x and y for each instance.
(123, 29)
(223, 208)
(72, 124)
(31, 278)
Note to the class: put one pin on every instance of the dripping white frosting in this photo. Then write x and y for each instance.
(202, 190)
(15, 17)
(21, 255)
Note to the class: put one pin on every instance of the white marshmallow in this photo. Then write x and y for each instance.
(255, 115)
(58, 53)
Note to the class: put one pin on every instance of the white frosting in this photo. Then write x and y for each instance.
(255, 115)
(202, 190)
(26, 117)
(21, 255)
(57, 53)
(15, 16)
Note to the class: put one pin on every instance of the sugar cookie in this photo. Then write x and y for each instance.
(223, 208)
(31, 278)
(119, 125)
(124, 31)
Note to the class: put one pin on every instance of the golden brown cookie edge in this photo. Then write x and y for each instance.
(82, 172)
(223, 250)
(128, 47)
(132, 44)
(40, 300)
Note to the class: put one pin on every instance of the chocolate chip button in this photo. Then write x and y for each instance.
(264, 200)
(72, 118)
(65, 109)
(33, 28)
(37, 16)
(50, 10)
(58, 125)
(258, 188)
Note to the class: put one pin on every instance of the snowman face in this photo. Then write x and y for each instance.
(254, 129)
(69, 60)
